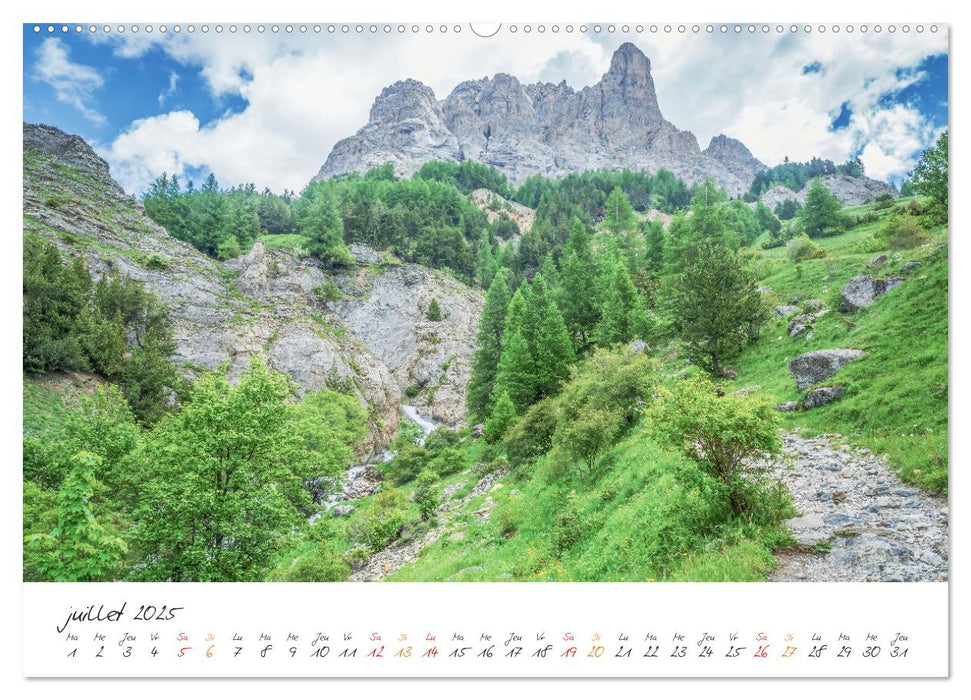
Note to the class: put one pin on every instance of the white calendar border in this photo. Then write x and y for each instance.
(384, 10)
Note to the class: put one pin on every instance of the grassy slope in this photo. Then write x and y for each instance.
(636, 521)
(896, 396)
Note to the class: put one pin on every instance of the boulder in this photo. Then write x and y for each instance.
(863, 290)
(812, 367)
(876, 261)
(799, 323)
(729, 374)
(822, 396)
(784, 311)
(787, 406)
(813, 304)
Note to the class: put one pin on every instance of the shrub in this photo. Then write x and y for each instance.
(719, 432)
(426, 495)
(323, 563)
(587, 436)
(802, 248)
(446, 462)
(532, 436)
(902, 231)
(883, 201)
(407, 464)
(381, 520)
(328, 292)
(442, 438)
(156, 262)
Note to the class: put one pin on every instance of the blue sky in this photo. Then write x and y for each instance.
(268, 108)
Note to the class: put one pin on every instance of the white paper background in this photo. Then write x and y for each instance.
(507, 10)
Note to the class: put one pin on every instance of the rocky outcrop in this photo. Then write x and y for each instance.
(540, 129)
(812, 367)
(264, 303)
(851, 191)
(863, 290)
(431, 361)
(496, 206)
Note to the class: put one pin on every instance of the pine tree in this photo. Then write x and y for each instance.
(618, 212)
(714, 302)
(578, 288)
(516, 374)
(502, 418)
(549, 271)
(821, 212)
(434, 312)
(324, 231)
(485, 362)
(654, 246)
(486, 264)
(621, 313)
(547, 338)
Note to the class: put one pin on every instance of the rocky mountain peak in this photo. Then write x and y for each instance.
(630, 74)
(722, 146)
(543, 128)
(67, 149)
(405, 99)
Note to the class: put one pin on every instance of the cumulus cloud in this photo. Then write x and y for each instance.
(74, 84)
(305, 92)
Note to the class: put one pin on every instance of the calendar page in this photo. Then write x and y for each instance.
(561, 350)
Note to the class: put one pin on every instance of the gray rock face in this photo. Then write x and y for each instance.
(849, 190)
(386, 312)
(822, 396)
(861, 291)
(541, 128)
(786, 406)
(813, 367)
(374, 343)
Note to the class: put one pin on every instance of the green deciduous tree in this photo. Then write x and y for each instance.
(719, 432)
(223, 481)
(80, 547)
(930, 177)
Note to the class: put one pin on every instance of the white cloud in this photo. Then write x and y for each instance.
(170, 90)
(305, 92)
(74, 84)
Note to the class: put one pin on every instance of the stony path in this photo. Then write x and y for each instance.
(875, 527)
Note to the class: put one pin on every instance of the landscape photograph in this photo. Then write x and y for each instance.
(314, 303)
